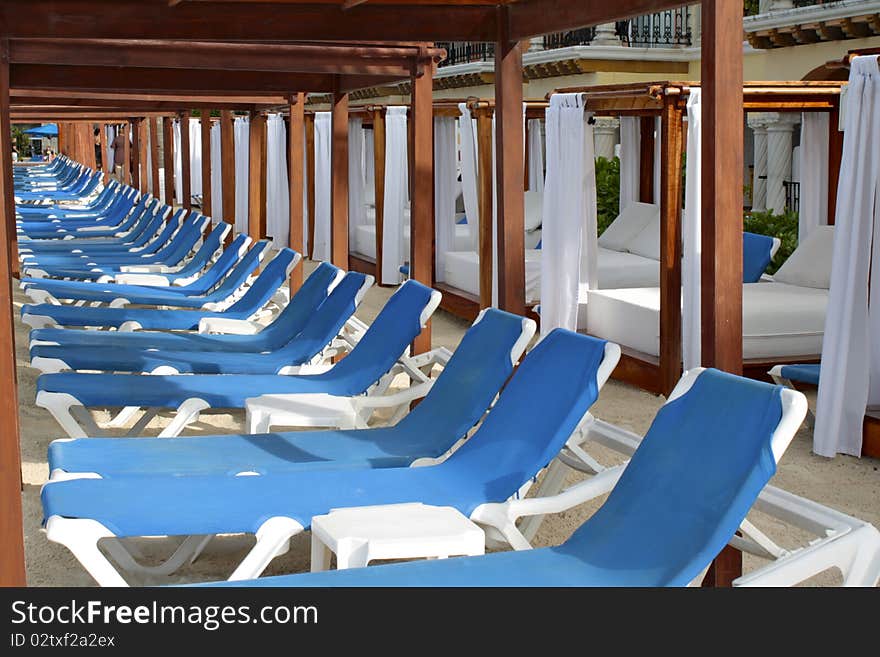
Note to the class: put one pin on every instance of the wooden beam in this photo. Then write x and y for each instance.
(310, 173)
(256, 177)
(379, 183)
(168, 158)
(295, 145)
(154, 158)
(509, 168)
(205, 121)
(185, 162)
(164, 98)
(722, 183)
(486, 204)
(421, 181)
(646, 159)
(670, 245)
(227, 165)
(106, 165)
(835, 157)
(143, 152)
(136, 19)
(530, 18)
(135, 153)
(12, 566)
(339, 181)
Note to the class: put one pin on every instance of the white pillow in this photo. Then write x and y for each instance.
(810, 264)
(627, 225)
(647, 242)
(534, 210)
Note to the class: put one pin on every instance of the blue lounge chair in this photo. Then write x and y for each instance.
(372, 360)
(561, 376)
(788, 375)
(454, 403)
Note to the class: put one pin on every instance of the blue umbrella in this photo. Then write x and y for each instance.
(47, 130)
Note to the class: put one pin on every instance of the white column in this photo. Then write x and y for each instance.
(757, 122)
(536, 43)
(606, 35)
(779, 157)
(605, 136)
(774, 5)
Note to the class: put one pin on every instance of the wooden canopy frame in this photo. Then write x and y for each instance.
(409, 21)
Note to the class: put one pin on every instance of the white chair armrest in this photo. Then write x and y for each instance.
(395, 399)
(155, 280)
(145, 269)
(231, 326)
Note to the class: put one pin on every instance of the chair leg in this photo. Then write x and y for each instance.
(187, 412)
(272, 536)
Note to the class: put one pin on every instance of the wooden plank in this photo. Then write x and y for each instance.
(136, 153)
(835, 156)
(185, 162)
(168, 158)
(530, 18)
(485, 204)
(339, 180)
(646, 159)
(105, 163)
(722, 183)
(421, 182)
(227, 165)
(154, 128)
(310, 173)
(256, 177)
(12, 565)
(509, 169)
(163, 99)
(458, 302)
(295, 145)
(379, 183)
(363, 264)
(871, 437)
(205, 120)
(670, 245)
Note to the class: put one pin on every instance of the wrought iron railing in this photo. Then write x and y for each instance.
(661, 30)
(463, 52)
(792, 196)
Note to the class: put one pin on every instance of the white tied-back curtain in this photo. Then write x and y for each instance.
(469, 190)
(658, 127)
(369, 169)
(323, 135)
(216, 173)
(277, 189)
(536, 157)
(445, 189)
(396, 194)
(850, 375)
(195, 157)
(305, 170)
(178, 162)
(813, 171)
(691, 237)
(630, 141)
(242, 156)
(110, 130)
(357, 209)
(569, 264)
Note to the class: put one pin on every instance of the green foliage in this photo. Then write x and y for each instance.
(750, 7)
(784, 226)
(21, 140)
(607, 191)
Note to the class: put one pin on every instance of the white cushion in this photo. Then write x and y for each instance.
(810, 264)
(647, 242)
(627, 225)
(533, 210)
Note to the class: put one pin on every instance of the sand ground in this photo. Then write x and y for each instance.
(847, 484)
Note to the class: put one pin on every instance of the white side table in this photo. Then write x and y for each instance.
(359, 535)
(299, 410)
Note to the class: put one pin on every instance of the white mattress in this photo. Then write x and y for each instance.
(778, 320)
(363, 241)
(463, 272)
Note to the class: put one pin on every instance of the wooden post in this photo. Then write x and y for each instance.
(126, 153)
(106, 164)
(227, 165)
(310, 173)
(168, 158)
(379, 184)
(835, 155)
(205, 120)
(339, 181)
(295, 145)
(185, 163)
(12, 569)
(722, 183)
(144, 141)
(136, 154)
(154, 158)
(256, 176)
(670, 245)
(421, 182)
(485, 203)
(509, 169)
(646, 159)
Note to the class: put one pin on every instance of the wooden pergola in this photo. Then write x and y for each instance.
(151, 48)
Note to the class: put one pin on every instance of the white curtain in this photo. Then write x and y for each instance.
(323, 137)
(305, 170)
(178, 163)
(369, 169)
(657, 162)
(570, 249)
(357, 209)
(195, 157)
(111, 137)
(242, 155)
(396, 193)
(216, 173)
(813, 173)
(850, 376)
(277, 189)
(469, 189)
(691, 236)
(445, 188)
(536, 157)
(148, 173)
(630, 140)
